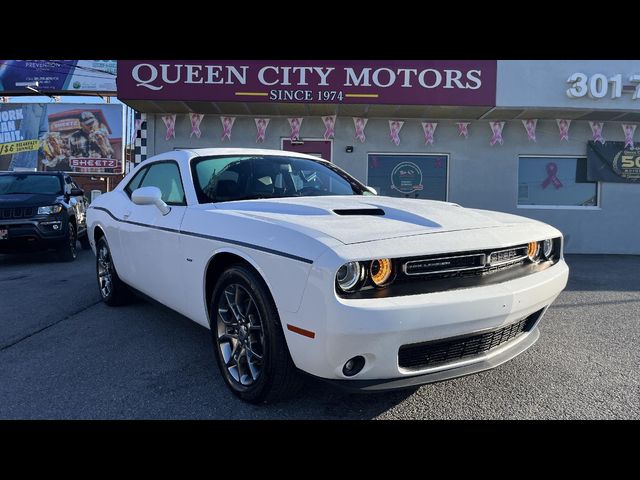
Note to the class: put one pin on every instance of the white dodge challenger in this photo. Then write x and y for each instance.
(294, 265)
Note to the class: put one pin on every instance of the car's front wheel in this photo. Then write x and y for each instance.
(68, 251)
(249, 344)
(112, 290)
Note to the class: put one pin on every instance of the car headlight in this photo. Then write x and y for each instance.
(380, 271)
(349, 275)
(547, 248)
(50, 210)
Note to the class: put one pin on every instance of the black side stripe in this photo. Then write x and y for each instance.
(209, 237)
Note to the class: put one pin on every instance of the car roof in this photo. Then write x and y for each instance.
(203, 152)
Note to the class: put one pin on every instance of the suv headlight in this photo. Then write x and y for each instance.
(50, 210)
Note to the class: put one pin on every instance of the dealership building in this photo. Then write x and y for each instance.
(550, 140)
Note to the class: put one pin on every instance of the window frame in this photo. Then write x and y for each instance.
(146, 169)
(598, 205)
(421, 154)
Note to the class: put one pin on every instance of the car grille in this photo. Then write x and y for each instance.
(17, 212)
(418, 356)
(470, 264)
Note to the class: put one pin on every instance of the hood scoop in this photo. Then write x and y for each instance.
(359, 211)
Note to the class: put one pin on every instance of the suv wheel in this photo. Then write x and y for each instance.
(84, 241)
(249, 344)
(68, 251)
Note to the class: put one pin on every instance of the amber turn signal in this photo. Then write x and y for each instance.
(532, 251)
(380, 271)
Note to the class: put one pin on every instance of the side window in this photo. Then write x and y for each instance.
(166, 176)
(555, 181)
(135, 181)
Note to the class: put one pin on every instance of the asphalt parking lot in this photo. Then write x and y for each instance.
(65, 355)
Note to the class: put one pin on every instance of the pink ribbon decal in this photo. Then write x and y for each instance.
(170, 123)
(295, 124)
(439, 163)
(563, 125)
(496, 137)
(530, 127)
(329, 125)
(596, 130)
(552, 170)
(360, 123)
(261, 126)
(429, 130)
(195, 118)
(463, 129)
(629, 130)
(227, 125)
(394, 127)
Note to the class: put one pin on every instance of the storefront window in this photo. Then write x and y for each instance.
(409, 175)
(555, 181)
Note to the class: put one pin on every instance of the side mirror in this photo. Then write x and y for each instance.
(372, 190)
(76, 192)
(150, 196)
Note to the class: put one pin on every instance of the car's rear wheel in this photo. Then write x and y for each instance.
(68, 251)
(112, 290)
(249, 344)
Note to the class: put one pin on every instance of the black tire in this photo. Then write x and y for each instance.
(278, 377)
(68, 251)
(84, 241)
(113, 291)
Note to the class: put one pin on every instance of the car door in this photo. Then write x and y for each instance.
(150, 240)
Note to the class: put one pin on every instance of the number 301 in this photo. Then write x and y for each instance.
(597, 86)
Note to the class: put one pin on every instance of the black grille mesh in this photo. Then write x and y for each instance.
(17, 212)
(423, 355)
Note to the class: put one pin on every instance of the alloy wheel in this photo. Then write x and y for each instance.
(240, 335)
(104, 271)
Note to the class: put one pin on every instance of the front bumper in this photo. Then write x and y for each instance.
(33, 234)
(376, 328)
(479, 364)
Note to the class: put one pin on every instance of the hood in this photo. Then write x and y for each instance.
(356, 219)
(27, 200)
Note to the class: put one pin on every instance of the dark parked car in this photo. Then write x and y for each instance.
(42, 211)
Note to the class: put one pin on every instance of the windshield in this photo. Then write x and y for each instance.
(25, 183)
(220, 179)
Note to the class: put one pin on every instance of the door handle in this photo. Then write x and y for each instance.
(127, 215)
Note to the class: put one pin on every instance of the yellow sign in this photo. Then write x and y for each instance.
(17, 147)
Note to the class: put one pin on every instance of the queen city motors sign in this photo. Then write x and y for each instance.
(421, 82)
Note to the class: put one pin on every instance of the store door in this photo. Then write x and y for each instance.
(318, 148)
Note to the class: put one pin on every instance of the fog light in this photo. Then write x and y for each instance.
(51, 225)
(353, 366)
